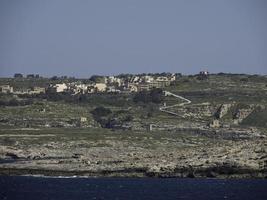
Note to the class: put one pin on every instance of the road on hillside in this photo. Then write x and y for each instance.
(164, 108)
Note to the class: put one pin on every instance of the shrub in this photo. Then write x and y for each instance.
(101, 111)
(154, 96)
(107, 119)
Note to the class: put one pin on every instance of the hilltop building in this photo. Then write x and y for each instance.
(6, 89)
(100, 87)
(38, 90)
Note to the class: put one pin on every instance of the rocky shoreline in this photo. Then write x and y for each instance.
(135, 154)
(221, 172)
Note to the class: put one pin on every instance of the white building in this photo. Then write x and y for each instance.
(148, 79)
(162, 78)
(173, 77)
(61, 87)
(114, 80)
(6, 89)
(135, 79)
(37, 90)
(100, 87)
(113, 89)
(132, 87)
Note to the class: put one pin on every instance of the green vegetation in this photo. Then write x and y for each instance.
(108, 119)
(154, 96)
(257, 118)
(138, 109)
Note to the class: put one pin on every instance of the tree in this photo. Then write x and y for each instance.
(142, 96)
(97, 79)
(155, 96)
(101, 115)
(53, 78)
(101, 111)
(18, 75)
(30, 76)
(108, 119)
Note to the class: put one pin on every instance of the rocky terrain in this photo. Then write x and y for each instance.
(172, 154)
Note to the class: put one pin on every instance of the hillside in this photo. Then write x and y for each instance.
(220, 132)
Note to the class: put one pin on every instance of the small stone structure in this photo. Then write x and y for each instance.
(83, 122)
(83, 119)
(215, 124)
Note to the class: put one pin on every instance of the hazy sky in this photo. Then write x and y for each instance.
(84, 37)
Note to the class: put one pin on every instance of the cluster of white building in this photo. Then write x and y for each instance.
(9, 89)
(132, 83)
(127, 83)
(77, 87)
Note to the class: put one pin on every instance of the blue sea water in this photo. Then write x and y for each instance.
(40, 188)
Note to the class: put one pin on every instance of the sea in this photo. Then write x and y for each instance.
(74, 188)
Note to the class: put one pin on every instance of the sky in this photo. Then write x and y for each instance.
(85, 37)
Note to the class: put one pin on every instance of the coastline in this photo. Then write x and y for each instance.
(215, 172)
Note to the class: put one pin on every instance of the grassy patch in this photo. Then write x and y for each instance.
(257, 118)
